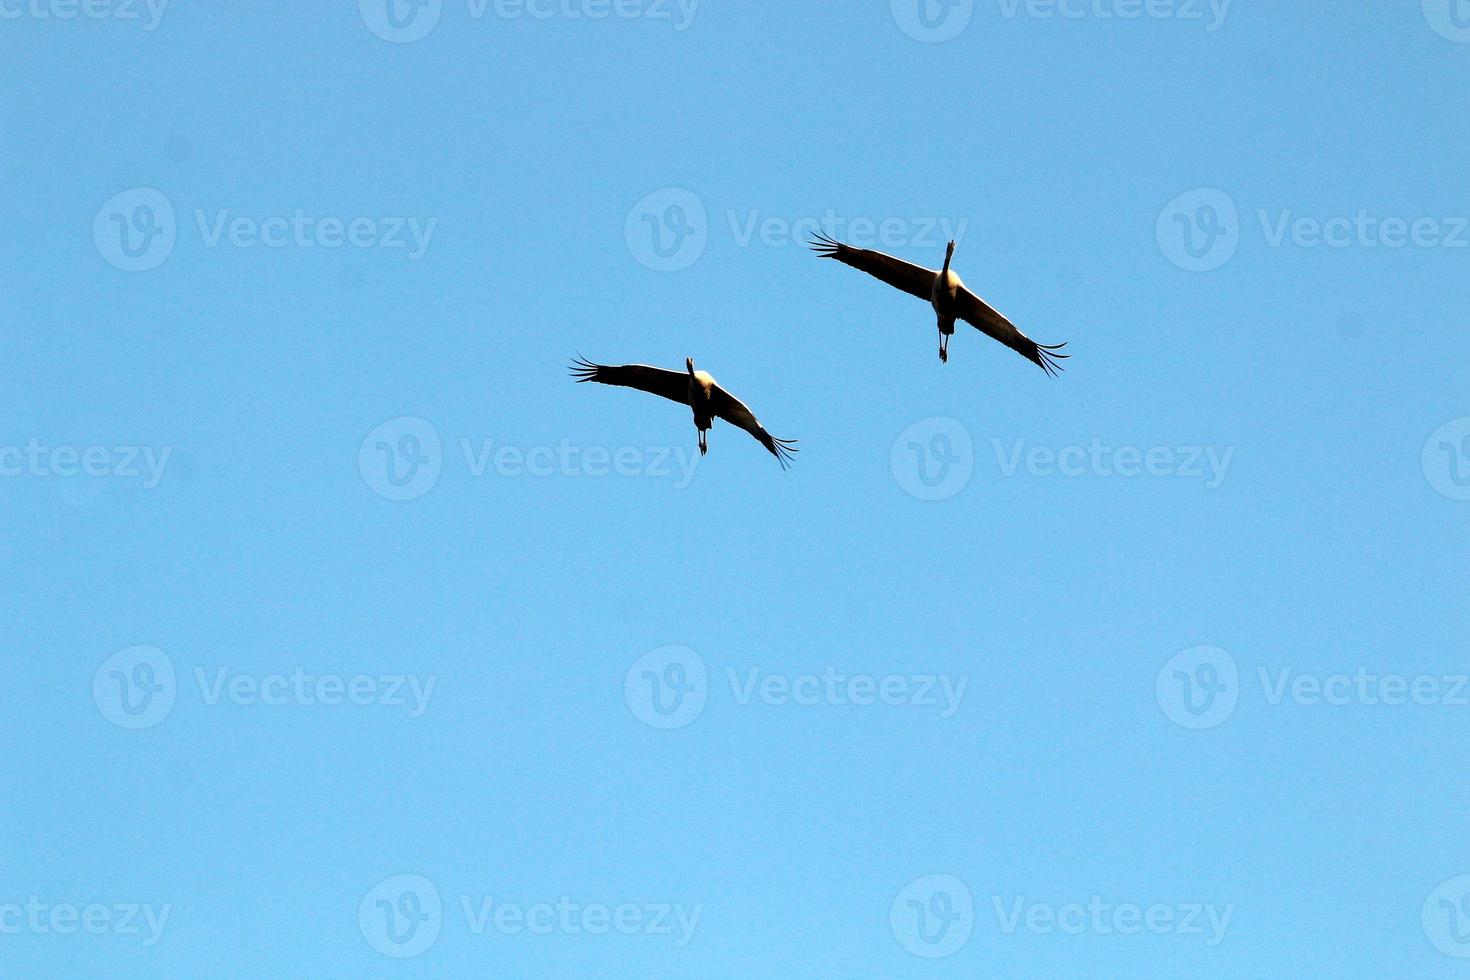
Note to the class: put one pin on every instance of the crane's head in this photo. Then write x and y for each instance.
(948, 254)
(689, 364)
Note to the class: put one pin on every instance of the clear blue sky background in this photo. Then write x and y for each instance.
(265, 550)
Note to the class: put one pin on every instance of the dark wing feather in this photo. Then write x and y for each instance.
(732, 410)
(673, 385)
(896, 272)
(981, 315)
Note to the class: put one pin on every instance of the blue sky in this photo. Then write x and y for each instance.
(348, 637)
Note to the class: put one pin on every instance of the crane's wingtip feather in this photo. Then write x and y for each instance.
(824, 245)
(583, 369)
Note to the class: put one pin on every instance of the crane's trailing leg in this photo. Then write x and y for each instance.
(703, 441)
(946, 331)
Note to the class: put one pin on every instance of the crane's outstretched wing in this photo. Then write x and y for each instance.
(732, 410)
(984, 317)
(673, 385)
(903, 275)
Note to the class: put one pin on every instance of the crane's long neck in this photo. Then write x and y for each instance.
(948, 254)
